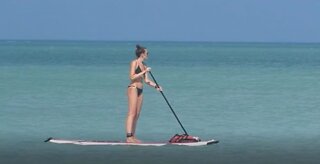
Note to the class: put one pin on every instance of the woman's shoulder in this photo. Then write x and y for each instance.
(133, 62)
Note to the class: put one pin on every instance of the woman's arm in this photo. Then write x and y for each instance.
(151, 83)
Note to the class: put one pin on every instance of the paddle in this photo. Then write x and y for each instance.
(174, 113)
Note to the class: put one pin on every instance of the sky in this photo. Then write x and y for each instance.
(161, 20)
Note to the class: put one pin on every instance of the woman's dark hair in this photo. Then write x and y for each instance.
(140, 50)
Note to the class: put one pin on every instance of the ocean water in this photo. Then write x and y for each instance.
(261, 100)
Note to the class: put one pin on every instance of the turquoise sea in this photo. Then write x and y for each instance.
(261, 100)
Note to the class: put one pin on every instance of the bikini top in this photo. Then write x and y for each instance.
(138, 70)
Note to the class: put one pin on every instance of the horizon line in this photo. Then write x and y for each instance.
(181, 41)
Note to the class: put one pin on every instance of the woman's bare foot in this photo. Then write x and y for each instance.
(137, 141)
(131, 140)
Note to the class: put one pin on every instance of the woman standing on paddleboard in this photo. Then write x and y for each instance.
(138, 73)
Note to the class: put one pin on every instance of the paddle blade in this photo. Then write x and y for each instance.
(184, 138)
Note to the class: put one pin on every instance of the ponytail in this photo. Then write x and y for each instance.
(140, 50)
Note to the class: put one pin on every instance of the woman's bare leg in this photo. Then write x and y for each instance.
(139, 107)
(132, 112)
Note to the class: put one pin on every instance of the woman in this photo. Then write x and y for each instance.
(138, 73)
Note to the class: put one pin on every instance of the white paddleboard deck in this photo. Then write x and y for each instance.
(121, 143)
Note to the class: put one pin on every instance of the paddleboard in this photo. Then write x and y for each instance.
(121, 143)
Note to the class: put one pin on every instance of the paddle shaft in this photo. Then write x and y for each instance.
(174, 113)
